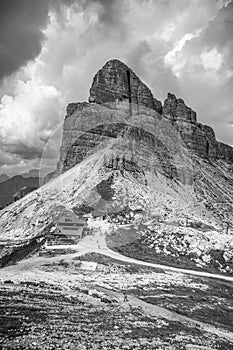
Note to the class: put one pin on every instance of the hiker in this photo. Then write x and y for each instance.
(125, 297)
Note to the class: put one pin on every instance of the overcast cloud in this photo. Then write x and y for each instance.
(50, 51)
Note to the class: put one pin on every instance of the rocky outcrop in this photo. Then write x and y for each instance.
(202, 141)
(116, 82)
(175, 109)
(75, 106)
(199, 138)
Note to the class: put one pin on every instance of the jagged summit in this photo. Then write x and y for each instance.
(176, 109)
(116, 81)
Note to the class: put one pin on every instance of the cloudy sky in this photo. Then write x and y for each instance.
(50, 50)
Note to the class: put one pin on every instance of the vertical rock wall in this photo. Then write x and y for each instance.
(116, 82)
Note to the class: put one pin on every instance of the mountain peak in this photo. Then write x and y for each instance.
(115, 81)
(175, 109)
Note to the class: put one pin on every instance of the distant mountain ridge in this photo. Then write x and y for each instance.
(3, 177)
(11, 186)
(30, 173)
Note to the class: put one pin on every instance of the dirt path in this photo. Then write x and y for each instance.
(98, 244)
(124, 258)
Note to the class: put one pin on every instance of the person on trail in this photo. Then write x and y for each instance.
(125, 297)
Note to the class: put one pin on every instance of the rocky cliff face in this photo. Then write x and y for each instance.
(175, 109)
(143, 139)
(198, 137)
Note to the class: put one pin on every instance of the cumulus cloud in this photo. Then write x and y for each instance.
(168, 46)
(28, 119)
(6, 159)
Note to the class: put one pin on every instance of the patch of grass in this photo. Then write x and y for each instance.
(140, 251)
